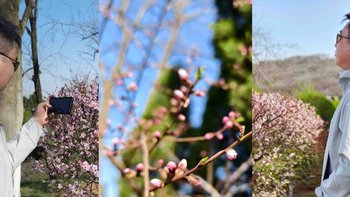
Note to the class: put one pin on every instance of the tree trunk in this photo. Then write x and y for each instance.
(11, 103)
(35, 59)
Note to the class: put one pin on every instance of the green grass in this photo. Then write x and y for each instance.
(35, 188)
(33, 183)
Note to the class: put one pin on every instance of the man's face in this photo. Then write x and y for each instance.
(342, 51)
(6, 68)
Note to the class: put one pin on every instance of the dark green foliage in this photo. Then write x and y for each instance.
(324, 106)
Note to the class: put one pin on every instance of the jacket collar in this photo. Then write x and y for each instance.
(344, 80)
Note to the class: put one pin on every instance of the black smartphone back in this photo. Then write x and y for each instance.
(61, 105)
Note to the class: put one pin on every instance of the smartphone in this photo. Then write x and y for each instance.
(61, 105)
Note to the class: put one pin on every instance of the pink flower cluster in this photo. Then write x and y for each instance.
(284, 130)
(71, 145)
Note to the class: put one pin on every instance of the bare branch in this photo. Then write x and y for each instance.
(25, 16)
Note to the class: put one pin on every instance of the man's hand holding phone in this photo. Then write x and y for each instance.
(41, 115)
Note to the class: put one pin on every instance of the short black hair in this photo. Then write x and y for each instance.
(9, 35)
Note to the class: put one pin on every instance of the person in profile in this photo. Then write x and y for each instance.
(335, 180)
(13, 152)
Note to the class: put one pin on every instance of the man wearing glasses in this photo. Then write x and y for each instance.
(335, 180)
(14, 151)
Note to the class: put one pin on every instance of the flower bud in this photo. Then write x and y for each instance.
(220, 136)
(110, 153)
(225, 119)
(178, 94)
(157, 134)
(119, 82)
(173, 102)
(183, 74)
(232, 114)
(111, 102)
(116, 141)
(182, 165)
(183, 89)
(181, 117)
(132, 86)
(140, 167)
(229, 124)
(126, 170)
(160, 162)
(156, 183)
(128, 74)
(208, 136)
(231, 154)
(187, 103)
(171, 166)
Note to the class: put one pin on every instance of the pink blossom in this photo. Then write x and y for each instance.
(183, 164)
(111, 102)
(119, 82)
(173, 102)
(231, 154)
(156, 183)
(181, 117)
(171, 166)
(183, 74)
(140, 167)
(116, 141)
(183, 89)
(220, 136)
(160, 162)
(179, 94)
(157, 134)
(232, 115)
(126, 170)
(128, 74)
(132, 86)
(229, 124)
(225, 119)
(209, 136)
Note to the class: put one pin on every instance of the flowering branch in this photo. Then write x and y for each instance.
(205, 161)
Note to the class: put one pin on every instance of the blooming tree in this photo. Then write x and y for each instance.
(284, 131)
(71, 143)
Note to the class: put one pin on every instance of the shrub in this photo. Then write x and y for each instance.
(284, 130)
(323, 105)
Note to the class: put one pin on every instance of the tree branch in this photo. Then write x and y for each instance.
(25, 16)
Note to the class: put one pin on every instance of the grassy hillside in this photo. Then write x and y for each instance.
(288, 74)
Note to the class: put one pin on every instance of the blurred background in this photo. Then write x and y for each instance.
(142, 46)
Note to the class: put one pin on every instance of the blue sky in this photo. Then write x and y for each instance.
(310, 25)
(62, 52)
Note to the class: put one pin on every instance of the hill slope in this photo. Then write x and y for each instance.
(288, 74)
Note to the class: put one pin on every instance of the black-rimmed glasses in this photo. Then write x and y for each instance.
(14, 62)
(339, 37)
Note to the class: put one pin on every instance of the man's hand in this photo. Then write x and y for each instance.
(40, 114)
